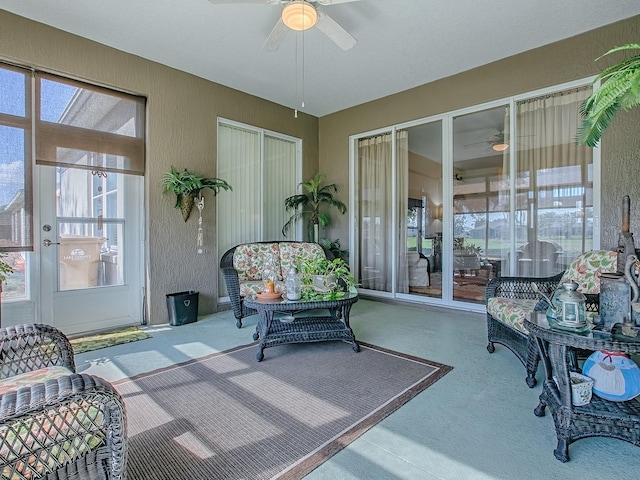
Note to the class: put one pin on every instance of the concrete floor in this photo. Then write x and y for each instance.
(475, 423)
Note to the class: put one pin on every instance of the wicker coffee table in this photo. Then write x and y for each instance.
(332, 323)
(600, 417)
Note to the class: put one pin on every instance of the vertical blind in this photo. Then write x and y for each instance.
(262, 168)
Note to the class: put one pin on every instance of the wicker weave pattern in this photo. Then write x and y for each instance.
(517, 341)
(333, 326)
(25, 348)
(72, 426)
(598, 418)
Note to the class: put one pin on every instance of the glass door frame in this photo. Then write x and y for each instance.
(447, 193)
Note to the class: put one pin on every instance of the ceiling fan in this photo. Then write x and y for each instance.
(302, 15)
(496, 142)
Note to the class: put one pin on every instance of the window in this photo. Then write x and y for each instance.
(76, 127)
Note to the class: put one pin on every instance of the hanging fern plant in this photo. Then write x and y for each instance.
(187, 187)
(619, 89)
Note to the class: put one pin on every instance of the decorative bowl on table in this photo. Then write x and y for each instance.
(268, 295)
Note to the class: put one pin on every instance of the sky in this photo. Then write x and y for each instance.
(55, 98)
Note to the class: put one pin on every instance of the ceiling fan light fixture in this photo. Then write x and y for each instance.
(500, 147)
(299, 15)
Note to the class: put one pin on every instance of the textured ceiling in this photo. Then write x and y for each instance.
(400, 44)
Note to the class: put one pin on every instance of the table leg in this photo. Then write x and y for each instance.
(346, 310)
(262, 330)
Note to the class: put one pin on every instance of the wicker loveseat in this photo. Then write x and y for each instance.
(244, 266)
(55, 423)
(511, 299)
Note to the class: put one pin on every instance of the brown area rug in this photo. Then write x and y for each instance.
(229, 416)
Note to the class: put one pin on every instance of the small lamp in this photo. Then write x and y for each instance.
(299, 15)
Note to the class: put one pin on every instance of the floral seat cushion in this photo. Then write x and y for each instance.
(29, 378)
(584, 270)
(254, 261)
(511, 311)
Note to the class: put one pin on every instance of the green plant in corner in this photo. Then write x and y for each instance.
(308, 204)
(5, 268)
(619, 89)
(334, 249)
(187, 187)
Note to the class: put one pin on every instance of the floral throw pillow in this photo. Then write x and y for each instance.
(586, 268)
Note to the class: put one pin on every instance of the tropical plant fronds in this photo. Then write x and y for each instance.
(308, 204)
(187, 187)
(619, 89)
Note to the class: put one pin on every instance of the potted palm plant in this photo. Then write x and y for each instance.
(187, 187)
(619, 89)
(308, 204)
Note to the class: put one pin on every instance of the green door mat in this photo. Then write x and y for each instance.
(107, 339)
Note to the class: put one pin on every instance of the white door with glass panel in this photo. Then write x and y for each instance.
(90, 250)
(71, 201)
(89, 165)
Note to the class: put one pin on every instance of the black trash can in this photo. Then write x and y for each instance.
(183, 307)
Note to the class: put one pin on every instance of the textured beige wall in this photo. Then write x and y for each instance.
(571, 59)
(181, 124)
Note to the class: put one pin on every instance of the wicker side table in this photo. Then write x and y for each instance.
(312, 328)
(599, 417)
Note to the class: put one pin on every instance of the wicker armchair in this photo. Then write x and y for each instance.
(510, 300)
(55, 423)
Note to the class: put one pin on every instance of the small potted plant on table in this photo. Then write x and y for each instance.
(326, 279)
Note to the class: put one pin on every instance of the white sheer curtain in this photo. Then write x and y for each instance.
(553, 179)
(376, 208)
(547, 128)
(402, 174)
(376, 203)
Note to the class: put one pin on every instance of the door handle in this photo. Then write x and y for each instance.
(47, 243)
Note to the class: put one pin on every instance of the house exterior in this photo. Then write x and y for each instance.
(180, 101)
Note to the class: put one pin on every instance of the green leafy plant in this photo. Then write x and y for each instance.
(337, 267)
(459, 245)
(619, 89)
(5, 268)
(309, 203)
(187, 187)
(334, 249)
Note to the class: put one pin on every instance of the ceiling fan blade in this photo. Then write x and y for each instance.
(275, 37)
(335, 32)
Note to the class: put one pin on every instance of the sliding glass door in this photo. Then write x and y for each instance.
(446, 204)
